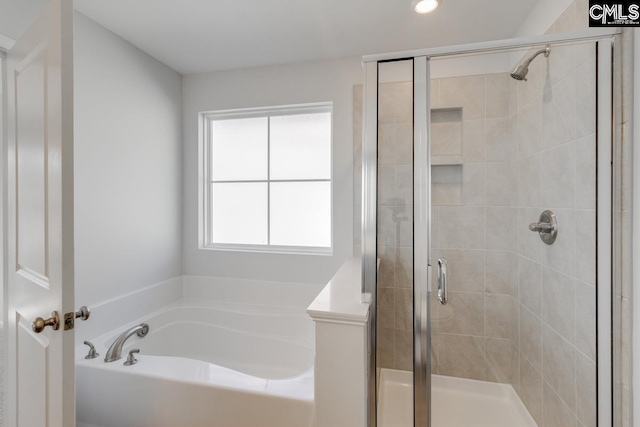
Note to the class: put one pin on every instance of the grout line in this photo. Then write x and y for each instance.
(574, 413)
(472, 336)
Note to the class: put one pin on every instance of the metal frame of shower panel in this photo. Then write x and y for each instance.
(369, 225)
(607, 67)
(5, 45)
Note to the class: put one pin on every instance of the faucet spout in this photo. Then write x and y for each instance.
(115, 351)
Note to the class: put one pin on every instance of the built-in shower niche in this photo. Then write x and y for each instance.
(446, 156)
(446, 185)
(446, 134)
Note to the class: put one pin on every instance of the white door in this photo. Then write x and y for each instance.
(40, 379)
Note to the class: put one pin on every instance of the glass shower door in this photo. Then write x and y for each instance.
(513, 160)
(394, 245)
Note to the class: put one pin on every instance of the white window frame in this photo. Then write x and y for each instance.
(205, 180)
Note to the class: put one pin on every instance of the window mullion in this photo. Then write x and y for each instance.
(210, 170)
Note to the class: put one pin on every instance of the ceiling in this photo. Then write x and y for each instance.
(16, 15)
(195, 36)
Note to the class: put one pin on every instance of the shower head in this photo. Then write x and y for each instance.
(520, 72)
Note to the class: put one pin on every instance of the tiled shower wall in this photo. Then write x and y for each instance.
(473, 191)
(395, 226)
(555, 344)
(575, 18)
(519, 311)
(395, 219)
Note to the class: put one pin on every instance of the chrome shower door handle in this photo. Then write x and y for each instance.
(443, 291)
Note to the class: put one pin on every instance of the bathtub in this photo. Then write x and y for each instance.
(204, 364)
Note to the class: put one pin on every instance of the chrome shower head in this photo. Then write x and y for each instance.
(520, 72)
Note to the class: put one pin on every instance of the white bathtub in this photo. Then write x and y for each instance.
(204, 364)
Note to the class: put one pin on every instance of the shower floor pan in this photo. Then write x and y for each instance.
(455, 402)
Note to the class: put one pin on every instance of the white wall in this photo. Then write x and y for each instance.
(270, 86)
(128, 166)
(541, 17)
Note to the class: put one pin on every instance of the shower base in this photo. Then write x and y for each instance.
(455, 402)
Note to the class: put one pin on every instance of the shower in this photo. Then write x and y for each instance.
(443, 152)
(520, 72)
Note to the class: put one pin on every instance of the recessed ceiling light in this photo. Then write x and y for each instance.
(425, 6)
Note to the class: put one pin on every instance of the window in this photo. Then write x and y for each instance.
(266, 179)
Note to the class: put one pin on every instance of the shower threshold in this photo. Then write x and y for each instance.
(455, 402)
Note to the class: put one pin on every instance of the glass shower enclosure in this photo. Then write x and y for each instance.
(486, 233)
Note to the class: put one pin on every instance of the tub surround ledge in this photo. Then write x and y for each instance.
(340, 300)
(341, 325)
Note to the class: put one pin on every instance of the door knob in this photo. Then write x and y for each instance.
(83, 313)
(39, 324)
(69, 318)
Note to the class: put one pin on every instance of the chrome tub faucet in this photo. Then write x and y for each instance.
(115, 351)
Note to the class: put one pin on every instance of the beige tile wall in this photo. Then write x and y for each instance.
(395, 226)
(507, 288)
(521, 311)
(554, 117)
(575, 18)
(472, 333)
(582, 377)
(395, 220)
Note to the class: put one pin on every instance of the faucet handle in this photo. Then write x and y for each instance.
(92, 351)
(131, 359)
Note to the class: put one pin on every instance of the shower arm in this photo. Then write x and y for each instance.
(528, 61)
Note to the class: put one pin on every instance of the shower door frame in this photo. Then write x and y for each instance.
(608, 67)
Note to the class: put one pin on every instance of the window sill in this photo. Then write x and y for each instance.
(276, 250)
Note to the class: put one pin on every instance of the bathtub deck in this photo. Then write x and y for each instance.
(455, 403)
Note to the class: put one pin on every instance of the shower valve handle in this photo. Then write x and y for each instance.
(541, 227)
(547, 227)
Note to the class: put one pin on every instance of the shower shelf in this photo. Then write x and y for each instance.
(451, 160)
